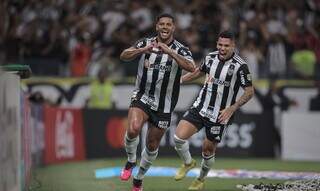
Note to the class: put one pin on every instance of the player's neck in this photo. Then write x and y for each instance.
(167, 41)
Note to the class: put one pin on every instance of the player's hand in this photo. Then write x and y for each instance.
(225, 114)
(162, 46)
(147, 49)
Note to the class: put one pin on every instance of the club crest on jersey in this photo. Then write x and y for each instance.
(231, 69)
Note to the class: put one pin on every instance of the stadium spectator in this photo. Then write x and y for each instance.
(252, 55)
(274, 102)
(101, 92)
(115, 24)
(141, 17)
(276, 57)
(80, 56)
(162, 59)
(112, 19)
(214, 107)
(303, 63)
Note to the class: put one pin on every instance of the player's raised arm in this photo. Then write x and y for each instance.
(132, 52)
(182, 61)
(192, 75)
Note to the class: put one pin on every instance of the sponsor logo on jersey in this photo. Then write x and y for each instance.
(163, 124)
(149, 101)
(243, 81)
(215, 130)
(218, 81)
(161, 68)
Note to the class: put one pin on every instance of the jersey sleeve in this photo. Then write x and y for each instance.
(141, 43)
(204, 67)
(244, 76)
(185, 52)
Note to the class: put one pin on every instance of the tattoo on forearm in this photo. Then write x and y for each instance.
(244, 98)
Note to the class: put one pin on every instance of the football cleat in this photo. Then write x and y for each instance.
(196, 184)
(137, 185)
(127, 171)
(184, 169)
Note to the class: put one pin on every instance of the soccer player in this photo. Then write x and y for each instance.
(161, 60)
(214, 107)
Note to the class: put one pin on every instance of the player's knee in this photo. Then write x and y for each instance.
(207, 151)
(179, 143)
(132, 133)
(152, 145)
(134, 128)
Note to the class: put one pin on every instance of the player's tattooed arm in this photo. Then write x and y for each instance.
(226, 113)
(246, 96)
(132, 52)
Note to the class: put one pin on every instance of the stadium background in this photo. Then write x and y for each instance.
(66, 43)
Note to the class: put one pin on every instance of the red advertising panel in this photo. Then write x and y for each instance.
(64, 138)
(104, 131)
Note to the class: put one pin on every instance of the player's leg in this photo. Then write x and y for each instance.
(214, 133)
(149, 154)
(186, 128)
(208, 158)
(183, 132)
(136, 118)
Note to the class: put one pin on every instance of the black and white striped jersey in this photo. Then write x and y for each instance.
(158, 79)
(223, 80)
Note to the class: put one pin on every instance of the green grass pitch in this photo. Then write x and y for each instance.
(79, 176)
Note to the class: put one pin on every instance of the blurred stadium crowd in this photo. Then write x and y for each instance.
(278, 38)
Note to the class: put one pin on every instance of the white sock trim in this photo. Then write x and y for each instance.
(182, 148)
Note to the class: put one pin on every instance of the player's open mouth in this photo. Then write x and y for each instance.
(164, 33)
(223, 54)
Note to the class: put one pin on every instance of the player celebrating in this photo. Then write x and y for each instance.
(214, 107)
(162, 59)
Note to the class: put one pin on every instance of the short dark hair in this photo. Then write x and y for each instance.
(227, 34)
(165, 15)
